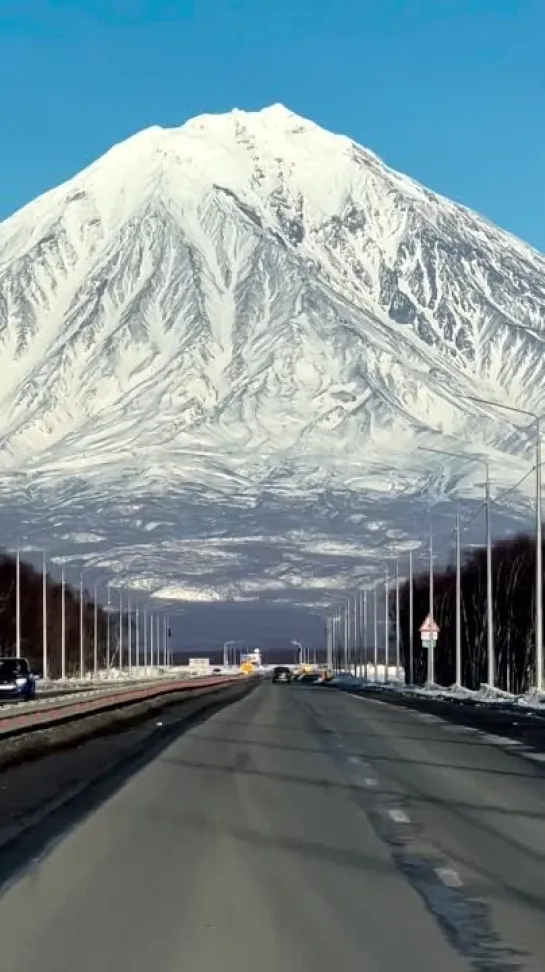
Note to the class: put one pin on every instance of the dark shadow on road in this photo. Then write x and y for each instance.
(532, 771)
(38, 839)
(322, 783)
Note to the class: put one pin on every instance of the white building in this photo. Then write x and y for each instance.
(199, 664)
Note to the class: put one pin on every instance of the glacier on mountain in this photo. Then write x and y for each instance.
(223, 346)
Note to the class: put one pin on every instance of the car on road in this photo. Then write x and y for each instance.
(282, 674)
(309, 678)
(17, 681)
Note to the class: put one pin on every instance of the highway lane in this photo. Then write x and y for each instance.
(299, 829)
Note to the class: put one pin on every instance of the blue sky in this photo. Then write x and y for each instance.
(450, 91)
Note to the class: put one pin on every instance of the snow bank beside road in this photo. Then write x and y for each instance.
(485, 695)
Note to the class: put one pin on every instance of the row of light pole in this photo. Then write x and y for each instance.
(355, 642)
(302, 653)
(335, 625)
(348, 628)
(148, 633)
(230, 651)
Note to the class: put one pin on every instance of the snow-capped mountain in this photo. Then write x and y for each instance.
(223, 344)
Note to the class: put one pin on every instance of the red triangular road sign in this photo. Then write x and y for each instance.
(427, 624)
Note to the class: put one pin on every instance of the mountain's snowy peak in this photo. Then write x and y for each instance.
(249, 304)
(257, 155)
(254, 154)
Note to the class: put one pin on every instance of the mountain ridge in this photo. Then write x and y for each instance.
(249, 302)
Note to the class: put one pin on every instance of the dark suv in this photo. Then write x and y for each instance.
(282, 674)
(16, 679)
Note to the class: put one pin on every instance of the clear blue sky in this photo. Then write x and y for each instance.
(450, 91)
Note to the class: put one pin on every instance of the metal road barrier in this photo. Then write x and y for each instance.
(58, 711)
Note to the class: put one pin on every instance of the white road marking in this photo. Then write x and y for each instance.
(449, 877)
(501, 740)
(399, 816)
(355, 759)
(456, 727)
(371, 781)
(367, 698)
(535, 757)
(505, 742)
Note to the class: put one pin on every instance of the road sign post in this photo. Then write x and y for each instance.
(429, 633)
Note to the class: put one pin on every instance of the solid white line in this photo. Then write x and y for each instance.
(501, 740)
(367, 698)
(457, 727)
(449, 877)
(535, 757)
(399, 816)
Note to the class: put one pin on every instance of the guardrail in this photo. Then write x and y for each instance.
(60, 711)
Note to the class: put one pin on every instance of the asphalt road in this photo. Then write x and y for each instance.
(299, 829)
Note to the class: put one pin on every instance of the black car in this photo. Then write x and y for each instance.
(282, 674)
(16, 679)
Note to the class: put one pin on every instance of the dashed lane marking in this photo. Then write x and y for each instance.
(449, 877)
(399, 816)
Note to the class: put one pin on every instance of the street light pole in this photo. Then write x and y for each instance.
(44, 619)
(411, 619)
(81, 649)
(490, 654)
(431, 646)
(386, 626)
(458, 603)
(129, 636)
(538, 607)
(137, 636)
(108, 647)
(63, 624)
(95, 630)
(364, 620)
(398, 633)
(489, 593)
(346, 634)
(539, 569)
(356, 652)
(146, 637)
(120, 631)
(18, 603)
(375, 629)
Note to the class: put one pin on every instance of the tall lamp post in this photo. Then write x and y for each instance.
(411, 619)
(491, 664)
(539, 574)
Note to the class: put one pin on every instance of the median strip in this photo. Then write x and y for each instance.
(64, 710)
(25, 742)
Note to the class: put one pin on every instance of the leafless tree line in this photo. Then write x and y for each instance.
(31, 614)
(513, 571)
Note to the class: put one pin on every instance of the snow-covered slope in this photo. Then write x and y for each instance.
(236, 334)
